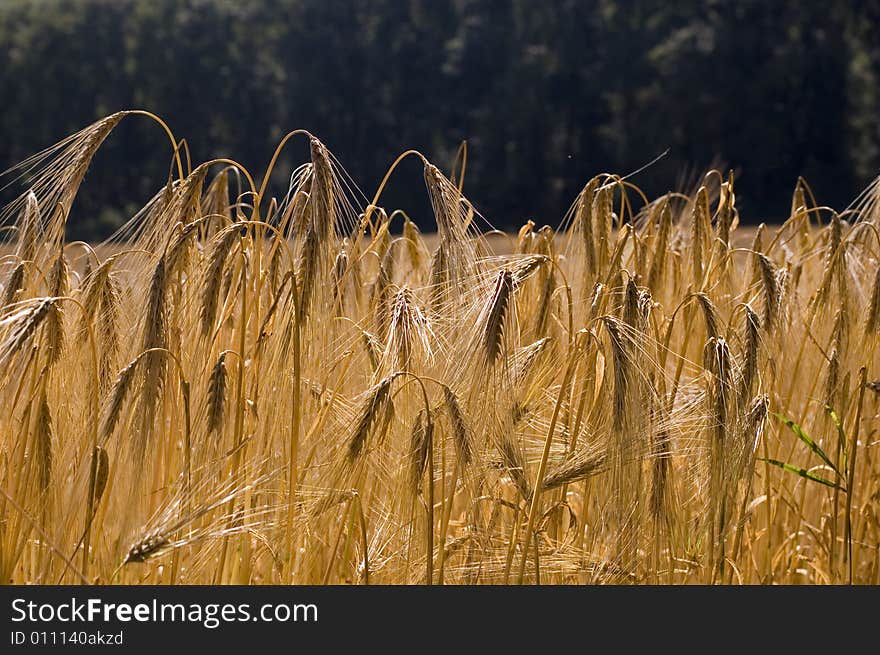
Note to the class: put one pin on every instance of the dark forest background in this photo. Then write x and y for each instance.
(547, 93)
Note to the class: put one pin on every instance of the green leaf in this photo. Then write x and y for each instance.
(812, 445)
(804, 473)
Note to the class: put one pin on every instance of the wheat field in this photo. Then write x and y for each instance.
(305, 390)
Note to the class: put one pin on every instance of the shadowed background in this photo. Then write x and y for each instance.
(547, 94)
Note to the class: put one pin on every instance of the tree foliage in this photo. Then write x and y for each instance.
(546, 93)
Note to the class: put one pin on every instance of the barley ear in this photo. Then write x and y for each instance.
(43, 441)
(494, 316)
(216, 399)
(460, 432)
(373, 408)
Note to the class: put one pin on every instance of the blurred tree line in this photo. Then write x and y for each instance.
(547, 93)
